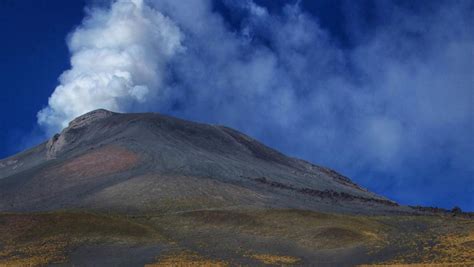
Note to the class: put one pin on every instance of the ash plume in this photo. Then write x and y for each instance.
(394, 109)
(118, 56)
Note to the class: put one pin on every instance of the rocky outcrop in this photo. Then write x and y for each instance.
(328, 194)
(59, 141)
(89, 118)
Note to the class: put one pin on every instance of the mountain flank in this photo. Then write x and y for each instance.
(141, 162)
(148, 189)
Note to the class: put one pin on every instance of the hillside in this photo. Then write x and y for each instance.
(132, 189)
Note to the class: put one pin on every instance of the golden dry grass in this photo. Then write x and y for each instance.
(456, 246)
(39, 239)
(466, 264)
(445, 242)
(186, 258)
(308, 229)
(275, 259)
(393, 239)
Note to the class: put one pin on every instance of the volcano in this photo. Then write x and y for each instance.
(145, 188)
(145, 162)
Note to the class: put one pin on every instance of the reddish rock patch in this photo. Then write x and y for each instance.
(103, 161)
(91, 168)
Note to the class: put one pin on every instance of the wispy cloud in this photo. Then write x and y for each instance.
(395, 111)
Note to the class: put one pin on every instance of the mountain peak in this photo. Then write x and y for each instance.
(59, 141)
(90, 117)
(118, 161)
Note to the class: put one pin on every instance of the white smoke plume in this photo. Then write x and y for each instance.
(118, 57)
(394, 110)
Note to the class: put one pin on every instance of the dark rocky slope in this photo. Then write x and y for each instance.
(133, 189)
(151, 162)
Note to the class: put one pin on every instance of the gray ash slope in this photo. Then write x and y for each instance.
(152, 163)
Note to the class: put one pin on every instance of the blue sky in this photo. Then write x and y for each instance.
(33, 53)
(381, 91)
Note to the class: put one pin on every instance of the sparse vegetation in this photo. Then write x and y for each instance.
(218, 237)
(38, 239)
(186, 258)
(456, 210)
(275, 259)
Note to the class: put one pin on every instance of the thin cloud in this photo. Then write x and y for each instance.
(389, 111)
